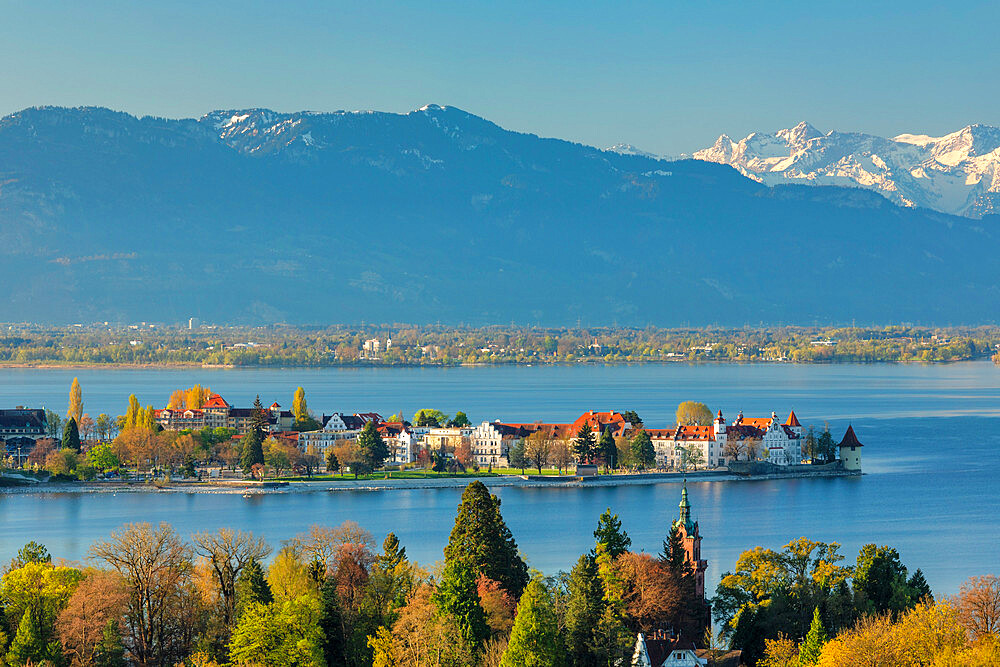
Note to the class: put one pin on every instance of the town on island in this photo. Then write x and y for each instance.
(199, 436)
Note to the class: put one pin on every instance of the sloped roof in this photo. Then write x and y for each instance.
(215, 401)
(850, 440)
(792, 419)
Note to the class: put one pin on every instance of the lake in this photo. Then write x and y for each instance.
(930, 433)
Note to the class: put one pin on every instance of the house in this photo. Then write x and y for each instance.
(20, 429)
(658, 649)
(400, 440)
(217, 413)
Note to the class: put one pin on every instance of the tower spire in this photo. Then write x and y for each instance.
(685, 507)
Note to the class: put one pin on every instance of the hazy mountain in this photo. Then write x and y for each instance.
(437, 214)
(958, 173)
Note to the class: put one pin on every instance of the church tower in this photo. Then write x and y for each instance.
(691, 539)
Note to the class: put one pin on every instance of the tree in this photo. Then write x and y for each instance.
(482, 540)
(154, 563)
(826, 447)
(99, 600)
(609, 533)
(252, 450)
(810, 446)
(71, 435)
(110, 652)
(251, 587)
(299, 408)
(285, 633)
(692, 412)
(561, 456)
(643, 452)
(228, 552)
(457, 596)
(812, 645)
(133, 416)
(423, 636)
(178, 400)
(29, 646)
(537, 448)
(880, 581)
(583, 611)
(651, 596)
(86, 428)
(32, 552)
(584, 444)
(374, 451)
(75, 410)
(517, 455)
(633, 418)
(104, 426)
(692, 456)
(535, 640)
(393, 554)
(331, 623)
(608, 450)
(429, 417)
(53, 424)
(978, 605)
(332, 464)
(33, 595)
(278, 455)
(460, 419)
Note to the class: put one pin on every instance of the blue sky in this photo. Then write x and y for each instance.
(667, 76)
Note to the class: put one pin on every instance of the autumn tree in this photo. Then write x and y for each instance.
(560, 456)
(535, 638)
(978, 605)
(538, 449)
(228, 552)
(482, 540)
(154, 563)
(75, 410)
(99, 600)
(692, 412)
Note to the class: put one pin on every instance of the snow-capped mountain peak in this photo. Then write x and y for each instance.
(956, 173)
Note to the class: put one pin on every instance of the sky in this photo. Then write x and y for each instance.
(666, 76)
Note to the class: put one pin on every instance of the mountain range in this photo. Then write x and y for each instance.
(958, 173)
(256, 216)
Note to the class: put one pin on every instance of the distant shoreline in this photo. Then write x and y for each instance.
(529, 481)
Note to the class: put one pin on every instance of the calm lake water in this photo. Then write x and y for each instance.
(931, 433)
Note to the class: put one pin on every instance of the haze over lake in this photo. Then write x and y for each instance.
(930, 434)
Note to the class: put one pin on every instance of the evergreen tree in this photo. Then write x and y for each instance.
(110, 652)
(374, 451)
(517, 455)
(29, 646)
(584, 444)
(458, 597)
(609, 533)
(332, 464)
(583, 612)
(32, 552)
(251, 586)
(826, 448)
(258, 417)
(535, 639)
(919, 587)
(643, 452)
(188, 467)
(253, 450)
(331, 623)
(482, 540)
(460, 419)
(71, 435)
(673, 554)
(612, 640)
(392, 553)
(812, 645)
(608, 450)
(880, 583)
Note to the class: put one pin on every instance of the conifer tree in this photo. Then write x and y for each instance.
(583, 612)
(71, 435)
(29, 646)
(331, 623)
(374, 451)
(110, 652)
(392, 553)
(253, 450)
(673, 554)
(482, 540)
(611, 638)
(75, 401)
(457, 596)
(643, 452)
(919, 588)
(517, 455)
(608, 450)
(258, 417)
(609, 533)
(535, 638)
(584, 444)
(812, 645)
(251, 586)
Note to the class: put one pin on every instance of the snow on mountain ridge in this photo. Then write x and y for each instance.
(956, 173)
